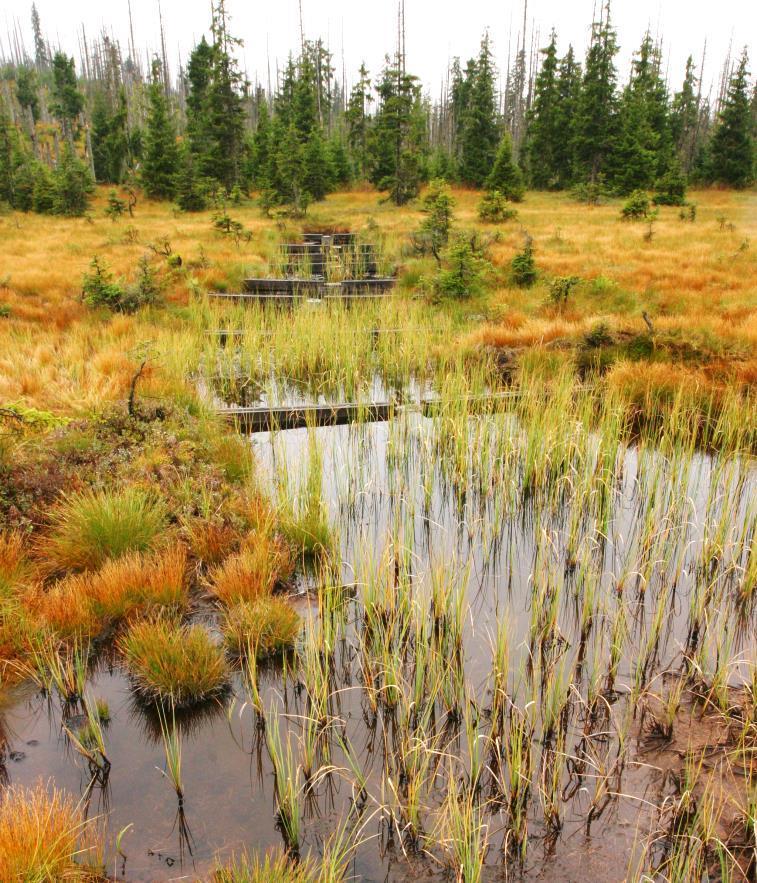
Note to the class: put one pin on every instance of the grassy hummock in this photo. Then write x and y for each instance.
(267, 625)
(175, 664)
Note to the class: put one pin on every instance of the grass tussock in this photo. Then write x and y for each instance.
(267, 625)
(180, 665)
(90, 527)
(15, 567)
(135, 584)
(253, 572)
(45, 837)
(277, 867)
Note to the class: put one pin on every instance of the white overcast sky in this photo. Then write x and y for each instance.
(358, 30)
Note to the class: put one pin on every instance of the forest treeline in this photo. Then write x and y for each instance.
(559, 122)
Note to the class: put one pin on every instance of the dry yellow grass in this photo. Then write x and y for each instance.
(693, 278)
(44, 837)
(86, 604)
(253, 572)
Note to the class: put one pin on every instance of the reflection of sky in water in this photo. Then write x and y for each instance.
(378, 480)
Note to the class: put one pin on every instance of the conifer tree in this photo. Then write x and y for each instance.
(684, 118)
(68, 102)
(315, 178)
(568, 97)
(356, 117)
(544, 135)
(8, 149)
(191, 190)
(73, 185)
(732, 149)
(595, 123)
(40, 48)
(27, 90)
(398, 136)
(480, 129)
(110, 139)
(642, 149)
(506, 177)
(260, 155)
(161, 155)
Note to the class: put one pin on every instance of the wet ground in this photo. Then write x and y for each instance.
(384, 486)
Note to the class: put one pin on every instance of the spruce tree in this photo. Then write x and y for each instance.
(8, 147)
(27, 90)
(260, 156)
(191, 190)
(68, 102)
(110, 139)
(595, 122)
(684, 118)
(73, 185)
(357, 120)
(398, 137)
(732, 151)
(505, 176)
(568, 97)
(642, 152)
(544, 135)
(316, 178)
(480, 129)
(161, 153)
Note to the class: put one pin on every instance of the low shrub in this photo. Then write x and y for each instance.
(464, 269)
(44, 836)
(637, 206)
(252, 572)
(589, 193)
(267, 625)
(560, 288)
(671, 187)
(89, 527)
(99, 288)
(494, 209)
(523, 266)
(175, 664)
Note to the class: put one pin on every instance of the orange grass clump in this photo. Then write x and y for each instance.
(87, 604)
(45, 837)
(254, 571)
(15, 568)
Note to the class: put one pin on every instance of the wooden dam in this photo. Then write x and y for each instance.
(322, 267)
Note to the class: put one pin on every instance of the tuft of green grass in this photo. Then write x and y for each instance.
(90, 527)
(179, 665)
(268, 625)
(275, 867)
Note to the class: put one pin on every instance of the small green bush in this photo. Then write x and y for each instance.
(523, 266)
(116, 207)
(494, 209)
(464, 268)
(437, 206)
(589, 193)
(560, 288)
(99, 288)
(671, 188)
(598, 336)
(637, 206)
